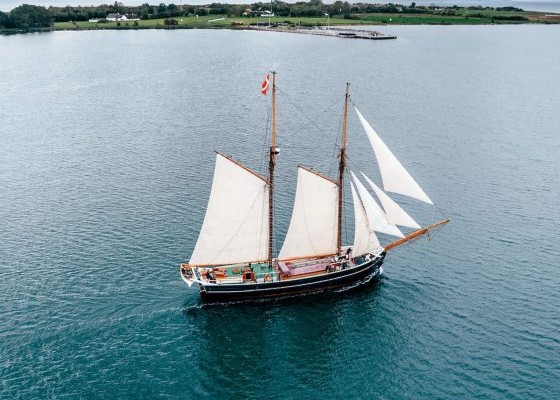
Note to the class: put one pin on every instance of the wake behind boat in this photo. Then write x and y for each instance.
(233, 257)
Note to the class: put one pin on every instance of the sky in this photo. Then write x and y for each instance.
(534, 5)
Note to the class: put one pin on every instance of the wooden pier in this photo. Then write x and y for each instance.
(334, 32)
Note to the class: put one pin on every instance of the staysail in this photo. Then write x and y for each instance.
(365, 239)
(375, 215)
(395, 177)
(395, 214)
(235, 228)
(313, 227)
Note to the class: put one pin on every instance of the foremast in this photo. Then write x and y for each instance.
(271, 164)
(341, 168)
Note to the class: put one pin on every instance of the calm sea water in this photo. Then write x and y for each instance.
(106, 157)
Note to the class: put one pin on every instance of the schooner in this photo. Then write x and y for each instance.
(233, 257)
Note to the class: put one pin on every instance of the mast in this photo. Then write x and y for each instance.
(341, 167)
(271, 164)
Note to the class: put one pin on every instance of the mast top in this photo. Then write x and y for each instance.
(273, 122)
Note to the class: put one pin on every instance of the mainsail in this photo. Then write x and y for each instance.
(395, 177)
(365, 239)
(235, 228)
(313, 227)
(375, 215)
(395, 214)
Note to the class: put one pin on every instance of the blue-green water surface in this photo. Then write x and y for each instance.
(106, 159)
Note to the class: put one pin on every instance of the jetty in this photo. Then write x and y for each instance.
(334, 32)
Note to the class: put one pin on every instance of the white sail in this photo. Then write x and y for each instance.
(235, 227)
(376, 217)
(395, 177)
(314, 225)
(395, 214)
(365, 239)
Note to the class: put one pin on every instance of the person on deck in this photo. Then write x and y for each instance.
(210, 276)
(346, 258)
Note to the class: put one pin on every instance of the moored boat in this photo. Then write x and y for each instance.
(233, 257)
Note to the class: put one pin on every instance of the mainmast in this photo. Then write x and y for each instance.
(341, 167)
(272, 162)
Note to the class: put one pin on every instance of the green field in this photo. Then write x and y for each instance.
(431, 19)
(212, 21)
(222, 21)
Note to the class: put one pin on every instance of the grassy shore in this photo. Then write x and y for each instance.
(473, 17)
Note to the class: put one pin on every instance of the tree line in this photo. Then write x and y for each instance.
(27, 17)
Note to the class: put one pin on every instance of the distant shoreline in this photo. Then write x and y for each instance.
(223, 22)
(183, 20)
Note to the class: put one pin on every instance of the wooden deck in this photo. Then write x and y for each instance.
(291, 277)
(231, 279)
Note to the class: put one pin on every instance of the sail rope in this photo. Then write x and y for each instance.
(263, 162)
(441, 212)
(336, 148)
(334, 166)
(310, 123)
(264, 158)
(310, 120)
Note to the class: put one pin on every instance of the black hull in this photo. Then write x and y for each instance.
(313, 284)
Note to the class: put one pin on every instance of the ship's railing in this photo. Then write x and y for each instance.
(267, 277)
(335, 266)
(367, 257)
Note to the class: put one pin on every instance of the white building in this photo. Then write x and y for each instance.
(116, 17)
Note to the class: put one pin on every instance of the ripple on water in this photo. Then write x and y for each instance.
(105, 182)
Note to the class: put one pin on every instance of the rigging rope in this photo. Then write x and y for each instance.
(311, 121)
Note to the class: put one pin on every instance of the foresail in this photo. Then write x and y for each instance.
(365, 239)
(395, 214)
(235, 228)
(313, 227)
(395, 177)
(375, 215)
